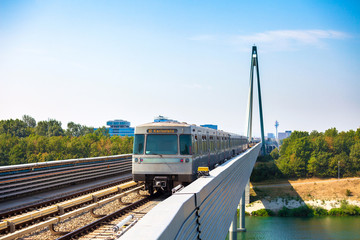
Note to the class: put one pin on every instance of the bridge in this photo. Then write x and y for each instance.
(205, 209)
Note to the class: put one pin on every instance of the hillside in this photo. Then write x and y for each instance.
(307, 189)
(326, 193)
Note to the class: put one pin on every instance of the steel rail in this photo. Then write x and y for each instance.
(4, 170)
(83, 230)
(64, 197)
(54, 184)
(36, 183)
(89, 171)
(38, 173)
(63, 210)
(50, 222)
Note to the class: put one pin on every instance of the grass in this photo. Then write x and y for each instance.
(310, 211)
(320, 190)
(348, 193)
(263, 213)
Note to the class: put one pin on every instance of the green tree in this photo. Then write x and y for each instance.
(343, 142)
(331, 132)
(298, 134)
(55, 128)
(7, 142)
(275, 153)
(320, 145)
(79, 147)
(295, 154)
(49, 128)
(15, 128)
(355, 157)
(341, 160)
(29, 121)
(357, 134)
(319, 164)
(77, 130)
(17, 154)
(315, 134)
(102, 131)
(56, 147)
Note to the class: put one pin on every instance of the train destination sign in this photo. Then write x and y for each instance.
(162, 131)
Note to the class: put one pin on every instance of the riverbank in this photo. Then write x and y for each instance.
(325, 193)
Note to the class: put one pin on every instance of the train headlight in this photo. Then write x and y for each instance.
(181, 160)
(187, 160)
(136, 160)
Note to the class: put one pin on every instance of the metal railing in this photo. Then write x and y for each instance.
(202, 210)
(10, 169)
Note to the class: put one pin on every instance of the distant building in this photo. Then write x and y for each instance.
(271, 135)
(283, 135)
(270, 144)
(210, 126)
(163, 119)
(120, 128)
(287, 133)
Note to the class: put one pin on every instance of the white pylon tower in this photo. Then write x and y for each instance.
(255, 64)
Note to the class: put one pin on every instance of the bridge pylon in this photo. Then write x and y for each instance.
(255, 64)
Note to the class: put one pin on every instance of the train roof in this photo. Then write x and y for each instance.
(183, 124)
(165, 124)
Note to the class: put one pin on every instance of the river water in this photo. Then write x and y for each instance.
(279, 228)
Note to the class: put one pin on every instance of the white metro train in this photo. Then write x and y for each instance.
(169, 153)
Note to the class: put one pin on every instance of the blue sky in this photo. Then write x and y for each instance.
(93, 61)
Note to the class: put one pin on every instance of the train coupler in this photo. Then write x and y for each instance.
(160, 182)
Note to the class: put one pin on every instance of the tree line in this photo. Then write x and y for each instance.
(27, 141)
(313, 155)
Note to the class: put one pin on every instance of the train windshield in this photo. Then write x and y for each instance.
(185, 144)
(161, 144)
(139, 144)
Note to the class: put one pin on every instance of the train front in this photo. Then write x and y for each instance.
(162, 155)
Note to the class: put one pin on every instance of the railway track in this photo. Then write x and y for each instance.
(22, 180)
(108, 227)
(18, 226)
(7, 213)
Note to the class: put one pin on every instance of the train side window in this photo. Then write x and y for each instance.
(212, 147)
(207, 144)
(185, 144)
(204, 147)
(199, 144)
(139, 144)
(194, 145)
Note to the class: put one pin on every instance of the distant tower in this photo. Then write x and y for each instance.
(277, 137)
